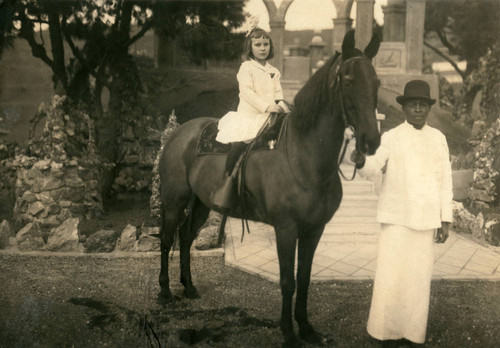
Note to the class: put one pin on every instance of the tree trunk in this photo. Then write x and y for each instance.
(469, 96)
(109, 125)
(59, 77)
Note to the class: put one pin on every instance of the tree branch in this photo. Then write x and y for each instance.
(27, 33)
(447, 58)
(148, 25)
(444, 40)
(78, 54)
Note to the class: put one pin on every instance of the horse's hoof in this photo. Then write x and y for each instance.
(291, 342)
(191, 293)
(310, 336)
(164, 298)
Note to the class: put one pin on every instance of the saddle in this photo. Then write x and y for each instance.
(267, 139)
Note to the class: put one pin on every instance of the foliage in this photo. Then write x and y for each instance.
(447, 98)
(488, 76)
(204, 28)
(467, 28)
(6, 25)
(98, 35)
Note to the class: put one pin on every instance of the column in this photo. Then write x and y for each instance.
(277, 24)
(394, 21)
(316, 50)
(342, 22)
(415, 20)
(340, 27)
(364, 22)
(277, 35)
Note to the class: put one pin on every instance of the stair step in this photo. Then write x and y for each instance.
(356, 211)
(353, 219)
(354, 229)
(358, 189)
(359, 201)
(350, 239)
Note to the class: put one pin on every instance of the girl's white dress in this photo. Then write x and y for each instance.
(260, 87)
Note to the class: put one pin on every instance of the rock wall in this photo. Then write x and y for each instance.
(138, 144)
(48, 192)
(58, 175)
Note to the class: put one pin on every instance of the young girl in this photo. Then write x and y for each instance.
(260, 94)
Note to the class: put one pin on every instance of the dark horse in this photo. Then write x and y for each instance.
(295, 188)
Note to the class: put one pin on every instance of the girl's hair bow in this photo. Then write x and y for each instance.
(252, 23)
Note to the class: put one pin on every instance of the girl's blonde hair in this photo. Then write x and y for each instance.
(256, 33)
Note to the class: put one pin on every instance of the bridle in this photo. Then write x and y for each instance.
(337, 86)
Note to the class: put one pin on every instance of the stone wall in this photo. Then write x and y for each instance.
(48, 192)
(58, 175)
(139, 142)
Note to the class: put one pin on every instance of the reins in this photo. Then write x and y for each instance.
(347, 139)
(347, 126)
(241, 184)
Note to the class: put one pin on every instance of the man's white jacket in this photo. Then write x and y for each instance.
(417, 185)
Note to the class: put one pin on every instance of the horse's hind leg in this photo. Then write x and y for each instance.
(199, 214)
(171, 217)
(307, 246)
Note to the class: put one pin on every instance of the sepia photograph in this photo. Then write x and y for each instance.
(249, 173)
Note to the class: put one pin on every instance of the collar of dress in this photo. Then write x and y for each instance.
(266, 68)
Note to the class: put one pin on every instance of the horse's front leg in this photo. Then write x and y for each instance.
(308, 242)
(286, 241)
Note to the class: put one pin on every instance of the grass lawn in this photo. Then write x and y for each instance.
(87, 301)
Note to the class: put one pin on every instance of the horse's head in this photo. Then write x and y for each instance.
(357, 84)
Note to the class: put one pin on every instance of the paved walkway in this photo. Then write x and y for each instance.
(458, 258)
(348, 248)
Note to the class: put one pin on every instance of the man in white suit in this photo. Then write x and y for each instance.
(415, 208)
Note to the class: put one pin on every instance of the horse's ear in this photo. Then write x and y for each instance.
(348, 45)
(373, 46)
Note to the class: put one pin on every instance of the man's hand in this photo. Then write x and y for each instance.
(443, 232)
(358, 158)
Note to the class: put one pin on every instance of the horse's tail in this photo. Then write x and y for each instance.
(189, 216)
(155, 200)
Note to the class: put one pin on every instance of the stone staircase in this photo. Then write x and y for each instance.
(355, 220)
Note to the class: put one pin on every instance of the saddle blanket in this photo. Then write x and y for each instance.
(267, 140)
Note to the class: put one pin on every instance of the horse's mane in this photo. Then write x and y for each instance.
(313, 96)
